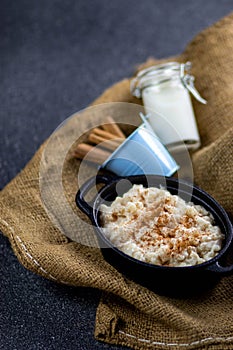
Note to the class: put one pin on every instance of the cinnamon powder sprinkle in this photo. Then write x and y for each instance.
(154, 226)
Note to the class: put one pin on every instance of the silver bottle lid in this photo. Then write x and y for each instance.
(161, 73)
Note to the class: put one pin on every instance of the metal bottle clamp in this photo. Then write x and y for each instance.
(188, 81)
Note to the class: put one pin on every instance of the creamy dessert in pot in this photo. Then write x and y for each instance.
(154, 226)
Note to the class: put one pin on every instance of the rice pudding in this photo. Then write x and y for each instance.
(154, 226)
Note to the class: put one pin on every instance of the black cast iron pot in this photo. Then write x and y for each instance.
(177, 281)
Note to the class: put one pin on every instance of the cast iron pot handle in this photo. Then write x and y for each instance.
(80, 201)
(224, 270)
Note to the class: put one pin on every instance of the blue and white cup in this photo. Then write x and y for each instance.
(141, 153)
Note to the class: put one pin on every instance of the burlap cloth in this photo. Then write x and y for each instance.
(129, 314)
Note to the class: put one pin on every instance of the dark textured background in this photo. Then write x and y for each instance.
(56, 56)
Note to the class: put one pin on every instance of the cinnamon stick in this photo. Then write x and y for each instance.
(113, 128)
(110, 144)
(105, 134)
(90, 153)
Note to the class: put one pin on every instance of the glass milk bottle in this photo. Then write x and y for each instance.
(165, 90)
